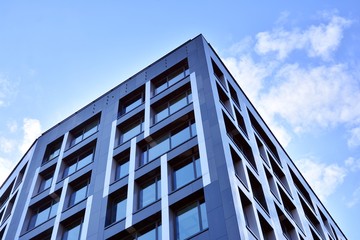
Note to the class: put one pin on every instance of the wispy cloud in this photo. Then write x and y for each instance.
(32, 130)
(323, 178)
(7, 90)
(302, 95)
(355, 198)
(317, 40)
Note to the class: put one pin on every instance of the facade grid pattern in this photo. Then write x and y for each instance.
(175, 152)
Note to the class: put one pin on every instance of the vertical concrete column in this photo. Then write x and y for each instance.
(200, 131)
(109, 159)
(86, 221)
(131, 184)
(61, 203)
(147, 118)
(165, 215)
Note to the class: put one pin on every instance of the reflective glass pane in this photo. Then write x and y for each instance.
(77, 139)
(54, 154)
(161, 86)
(45, 184)
(184, 175)
(150, 235)
(159, 149)
(90, 129)
(72, 233)
(42, 216)
(180, 137)
(188, 222)
(161, 114)
(204, 221)
(193, 130)
(197, 168)
(53, 210)
(178, 103)
(131, 132)
(122, 170)
(176, 76)
(132, 105)
(70, 169)
(85, 161)
(148, 194)
(120, 210)
(78, 195)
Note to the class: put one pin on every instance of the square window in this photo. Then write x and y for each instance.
(52, 150)
(42, 212)
(191, 220)
(186, 171)
(73, 230)
(149, 192)
(78, 162)
(84, 131)
(79, 192)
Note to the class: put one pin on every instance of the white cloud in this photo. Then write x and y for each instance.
(322, 96)
(352, 164)
(354, 140)
(323, 178)
(7, 90)
(12, 126)
(32, 130)
(318, 40)
(249, 74)
(355, 198)
(6, 167)
(7, 145)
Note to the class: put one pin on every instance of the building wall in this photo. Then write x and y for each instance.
(209, 158)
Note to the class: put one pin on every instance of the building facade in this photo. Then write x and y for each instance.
(175, 152)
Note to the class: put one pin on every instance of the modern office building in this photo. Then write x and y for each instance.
(175, 152)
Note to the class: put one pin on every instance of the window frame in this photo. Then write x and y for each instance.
(74, 162)
(167, 137)
(80, 134)
(156, 182)
(192, 160)
(203, 225)
(72, 201)
(166, 107)
(74, 224)
(41, 208)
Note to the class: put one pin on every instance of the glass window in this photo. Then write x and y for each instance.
(116, 209)
(131, 130)
(52, 150)
(122, 168)
(131, 103)
(79, 193)
(85, 132)
(150, 192)
(191, 220)
(172, 77)
(152, 232)
(73, 231)
(42, 213)
(187, 172)
(168, 141)
(79, 162)
(45, 182)
(172, 106)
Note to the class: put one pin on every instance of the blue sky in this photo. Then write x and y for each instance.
(297, 61)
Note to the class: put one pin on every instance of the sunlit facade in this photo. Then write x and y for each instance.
(175, 152)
